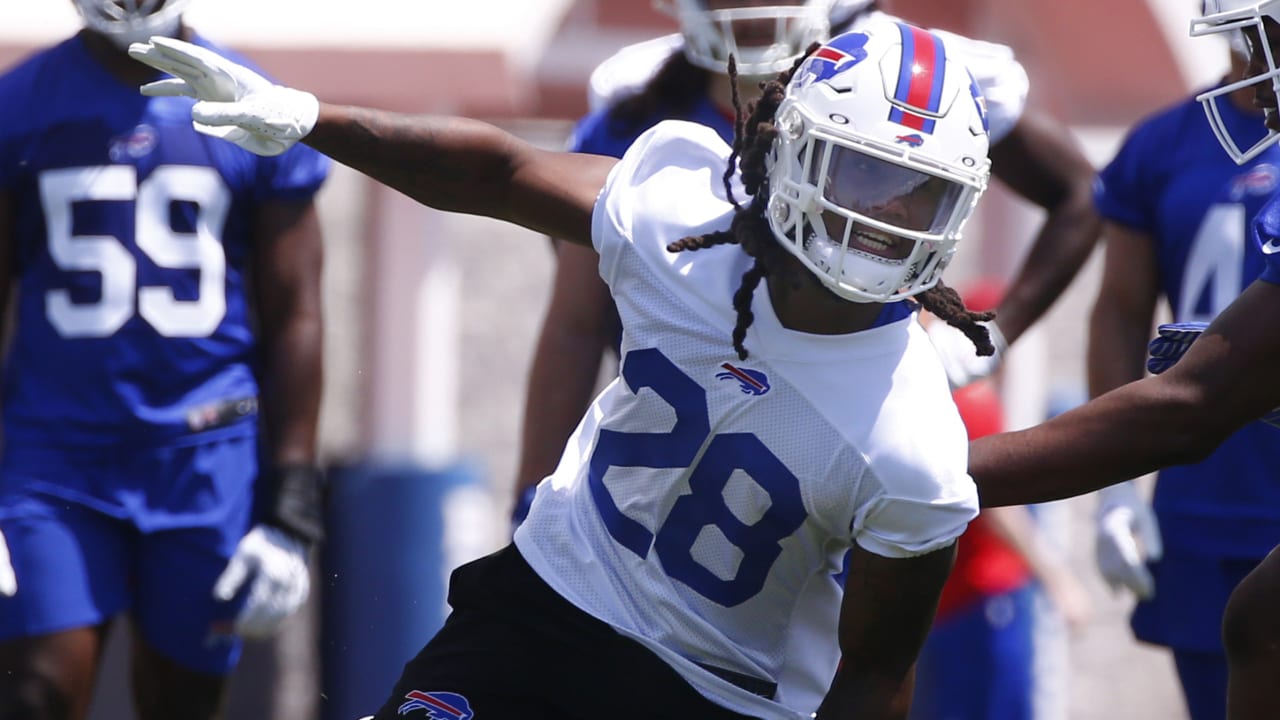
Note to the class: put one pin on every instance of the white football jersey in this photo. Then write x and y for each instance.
(702, 500)
(1001, 78)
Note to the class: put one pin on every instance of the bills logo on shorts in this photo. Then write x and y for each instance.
(437, 705)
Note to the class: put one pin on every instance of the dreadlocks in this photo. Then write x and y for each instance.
(752, 142)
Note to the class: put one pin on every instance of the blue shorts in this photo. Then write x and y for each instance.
(976, 664)
(1191, 595)
(94, 533)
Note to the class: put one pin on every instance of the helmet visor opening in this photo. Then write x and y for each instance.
(762, 38)
(890, 194)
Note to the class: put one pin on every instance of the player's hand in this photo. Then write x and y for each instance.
(959, 357)
(8, 581)
(1127, 537)
(236, 103)
(1171, 343)
(275, 563)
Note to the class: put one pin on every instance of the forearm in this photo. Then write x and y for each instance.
(888, 608)
(1060, 249)
(452, 164)
(1117, 348)
(871, 696)
(293, 376)
(1126, 433)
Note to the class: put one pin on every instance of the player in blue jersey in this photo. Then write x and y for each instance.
(683, 76)
(166, 290)
(1177, 212)
(779, 408)
(1226, 380)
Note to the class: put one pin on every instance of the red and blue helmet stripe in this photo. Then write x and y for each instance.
(920, 78)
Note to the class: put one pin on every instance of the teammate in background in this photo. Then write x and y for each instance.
(683, 76)
(1225, 380)
(979, 660)
(166, 287)
(778, 406)
(1177, 213)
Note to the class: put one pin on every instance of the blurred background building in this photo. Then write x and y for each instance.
(432, 317)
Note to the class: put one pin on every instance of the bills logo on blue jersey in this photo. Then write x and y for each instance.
(1259, 180)
(133, 145)
(912, 140)
(838, 55)
(437, 705)
(751, 382)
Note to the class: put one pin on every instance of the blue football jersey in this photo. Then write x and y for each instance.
(1172, 181)
(1266, 236)
(600, 134)
(133, 235)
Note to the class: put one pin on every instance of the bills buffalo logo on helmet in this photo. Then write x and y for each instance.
(751, 382)
(436, 705)
(838, 55)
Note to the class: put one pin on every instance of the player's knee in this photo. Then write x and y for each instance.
(27, 696)
(1250, 627)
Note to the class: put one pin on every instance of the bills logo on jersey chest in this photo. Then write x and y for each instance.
(751, 382)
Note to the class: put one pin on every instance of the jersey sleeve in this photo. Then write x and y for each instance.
(1001, 78)
(916, 495)
(925, 514)
(626, 71)
(293, 176)
(671, 157)
(1122, 190)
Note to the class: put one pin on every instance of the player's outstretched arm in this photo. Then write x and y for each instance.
(451, 164)
(889, 604)
(1226, 379)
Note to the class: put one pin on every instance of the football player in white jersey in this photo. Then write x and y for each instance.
(682, 76)
(1031, 152)
(778, 406)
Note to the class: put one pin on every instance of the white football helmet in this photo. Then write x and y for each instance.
(844, 11)
(880, 158)
(128, 21)
(1235, 17)
(764, 36)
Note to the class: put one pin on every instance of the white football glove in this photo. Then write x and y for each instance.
(8, 581)
(960, 358)
(1128, 535)
(277, 562)
(236, 103)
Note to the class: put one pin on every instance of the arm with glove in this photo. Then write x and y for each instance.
(272, 559)
(1127, 534)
